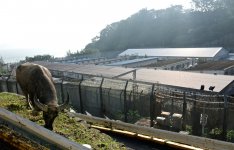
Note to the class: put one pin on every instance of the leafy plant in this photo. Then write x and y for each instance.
(216, 133)
(188, 129)
(230, 136)
(132, 116)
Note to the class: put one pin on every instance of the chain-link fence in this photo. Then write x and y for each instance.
(198, 113)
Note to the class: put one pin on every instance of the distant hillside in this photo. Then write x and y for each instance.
(209, 24)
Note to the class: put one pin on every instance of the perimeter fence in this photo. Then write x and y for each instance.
(199, 113)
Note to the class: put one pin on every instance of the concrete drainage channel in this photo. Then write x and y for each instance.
(23, 134)
(20, 134)
(163, 137)
(133, 143)
(46, 139)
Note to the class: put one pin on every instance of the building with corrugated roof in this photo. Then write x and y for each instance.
(224, 67)
(204, 54)
(223, 84)
(172, 64)
(187, 80)
(139, 62)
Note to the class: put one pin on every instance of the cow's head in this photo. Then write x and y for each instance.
(50, 112)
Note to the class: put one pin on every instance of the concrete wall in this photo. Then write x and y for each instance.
(181, 65)
(220, 72)
(226, 71)
(140, 63)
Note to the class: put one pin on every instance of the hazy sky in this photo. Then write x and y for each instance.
(31, 27)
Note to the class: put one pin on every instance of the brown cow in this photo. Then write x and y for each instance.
(37, 85)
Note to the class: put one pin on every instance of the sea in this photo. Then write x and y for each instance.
(16, 55)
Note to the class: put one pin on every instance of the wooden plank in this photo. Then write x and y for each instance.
(39, 131)
(196, 141)
(144, 137)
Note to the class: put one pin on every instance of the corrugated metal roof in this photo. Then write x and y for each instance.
(130, 61)
(173, 52)
(183, 79)
(94, 70)
(174, 78)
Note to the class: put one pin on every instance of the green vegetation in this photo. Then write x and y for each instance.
(216, 133)
(208, 24)
(132, 116)
(39, 58)
(2, 71)
(230, 136)
(64, 125)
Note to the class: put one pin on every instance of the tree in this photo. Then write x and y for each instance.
(1, 61)
(39, 58)
(207, 5)
(209, 25)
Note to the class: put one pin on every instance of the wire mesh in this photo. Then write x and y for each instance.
(133, 102)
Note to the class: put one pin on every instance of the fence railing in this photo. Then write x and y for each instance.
(152, 105)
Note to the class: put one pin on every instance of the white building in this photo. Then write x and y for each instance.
(204, 54)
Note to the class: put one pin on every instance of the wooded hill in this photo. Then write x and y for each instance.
(209, 24)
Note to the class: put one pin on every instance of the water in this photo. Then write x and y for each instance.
(15, 55)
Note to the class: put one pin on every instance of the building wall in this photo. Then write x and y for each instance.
(229, 70)
(226, 71)
(221, 54)
(141, 63)
(178, 65)
(220, 72)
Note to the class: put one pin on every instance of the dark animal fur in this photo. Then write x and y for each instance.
(36, 81)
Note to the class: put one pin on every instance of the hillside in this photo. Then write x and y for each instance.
(208, 24)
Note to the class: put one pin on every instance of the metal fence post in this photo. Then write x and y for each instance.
(152, 106)
(80, 96)
(196, 127)
(7, 84)
(125, 102)
(62, 92)
(101, 98)
(17, 88)
(184, 112)
(225, 113)
(172, 104)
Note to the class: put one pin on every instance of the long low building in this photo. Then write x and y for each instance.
(225, 67)
(222, 84)
(135, 62)
(205, 54)
(173, 64)
(83, 71)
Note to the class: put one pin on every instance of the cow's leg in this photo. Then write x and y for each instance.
(27, 98)
(35, 111)
(30, 101)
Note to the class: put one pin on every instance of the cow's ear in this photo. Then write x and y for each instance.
(41, 106)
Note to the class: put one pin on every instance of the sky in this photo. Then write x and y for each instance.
(36, 27)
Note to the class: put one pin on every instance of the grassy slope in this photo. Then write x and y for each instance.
(64, 125)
